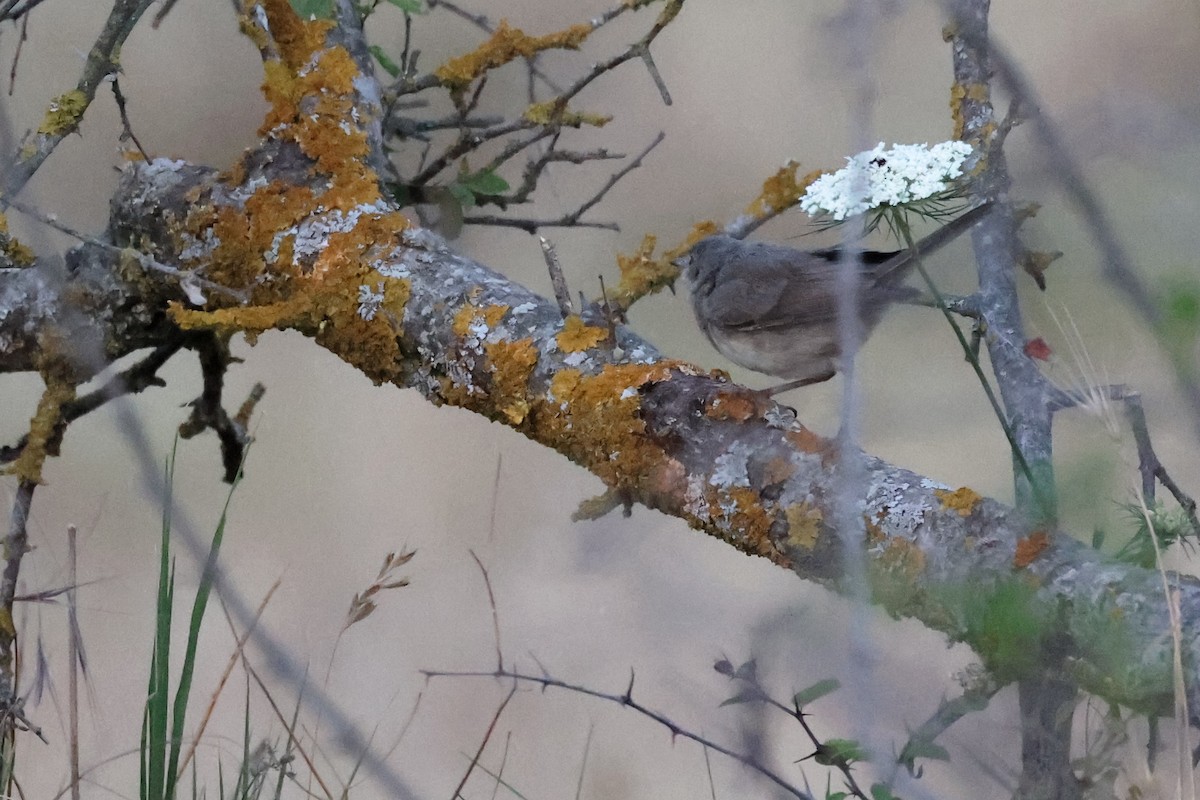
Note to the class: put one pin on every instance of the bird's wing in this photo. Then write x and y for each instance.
(775, 286)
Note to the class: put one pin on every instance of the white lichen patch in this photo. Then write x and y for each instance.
(695, 499)
(311, 236)
(732, 467)
(889, 506)
(199, 249)
(369, 301)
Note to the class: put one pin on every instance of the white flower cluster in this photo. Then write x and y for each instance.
(878, 177)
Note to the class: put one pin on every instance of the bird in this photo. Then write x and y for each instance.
(774, 309)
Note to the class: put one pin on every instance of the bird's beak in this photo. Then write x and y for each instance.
(683, 262)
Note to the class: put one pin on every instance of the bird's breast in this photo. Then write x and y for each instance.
(792, 354)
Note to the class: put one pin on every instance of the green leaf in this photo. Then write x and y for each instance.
(816, 692)
(923, 748)
(836, 752)
(880, 791)
(750, 695)
(308, 9)
(464, 196)
(484, 183)
(408, 6)
(389, 66)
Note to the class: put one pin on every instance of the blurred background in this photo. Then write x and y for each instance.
(343, 472)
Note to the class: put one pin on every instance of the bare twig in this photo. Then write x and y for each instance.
(131, 381)
(101, 62)
(15, 9)
(571, 219)
(21, 39)
(615, 177)
(561, 293)
(208, 413)
(626, 699)
(127, 128)
(12, 717)
(74, 654)
(487, 582)
(487, 735)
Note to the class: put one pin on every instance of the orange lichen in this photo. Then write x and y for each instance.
(901, 559)
(960, 95)
(1029, 548)
(752, 521)
(781, 191)
(738, 406)
(310, 89)
(963, 500)
(297, 39)
(593, 420)
(577, 336)
(804, 525)
(468, 316)
(556, 112)
(43, 428)
(642, 273)
(506, 44)
(512, 363)
(809, 442)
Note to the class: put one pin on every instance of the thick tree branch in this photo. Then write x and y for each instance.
(299, 227)
(675, 439)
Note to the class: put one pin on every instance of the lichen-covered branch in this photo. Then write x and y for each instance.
(300, 229)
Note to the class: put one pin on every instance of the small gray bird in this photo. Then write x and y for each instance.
(773, 309)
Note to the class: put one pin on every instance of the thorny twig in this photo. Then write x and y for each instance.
(487, 582)
(626, 699)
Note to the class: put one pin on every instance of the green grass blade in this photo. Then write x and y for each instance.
(199, 604)
(154, 737)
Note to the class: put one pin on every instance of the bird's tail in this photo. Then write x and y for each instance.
(896, 268)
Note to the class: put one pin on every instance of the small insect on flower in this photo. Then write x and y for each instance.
(907, 173)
